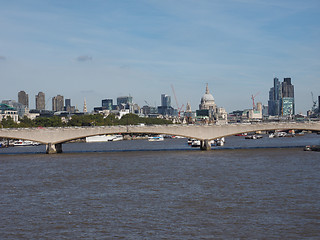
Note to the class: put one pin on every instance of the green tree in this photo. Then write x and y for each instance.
(111, 120)
(54, 121)
(8, 123)
(26, 122)
(130, 119)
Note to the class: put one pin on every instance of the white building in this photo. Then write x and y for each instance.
(7, 111)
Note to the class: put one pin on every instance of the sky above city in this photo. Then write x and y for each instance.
(98, 49)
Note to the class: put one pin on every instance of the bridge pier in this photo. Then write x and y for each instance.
(205, 145)
(54, 148)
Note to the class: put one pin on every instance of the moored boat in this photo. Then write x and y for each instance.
(195, 143)
(25, 143)
(155, 138)
(253, 136)
(312, 148)
(104, 138)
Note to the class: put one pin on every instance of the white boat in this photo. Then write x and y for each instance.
(104, 138)
(99, 138)
(117, 138)
(219, 142)
(155, 138)
(24, 143)
(195, 143)
(177, 137)
(253, 137)
(280, 134)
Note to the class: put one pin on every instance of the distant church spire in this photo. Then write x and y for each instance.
(207, 89)
(188, 108)
(85, 106)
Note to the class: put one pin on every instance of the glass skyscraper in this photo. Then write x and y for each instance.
(107, 103)
(281, 98)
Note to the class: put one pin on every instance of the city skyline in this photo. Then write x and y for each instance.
(105, 49)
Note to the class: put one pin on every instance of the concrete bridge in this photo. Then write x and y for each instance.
(54, 137)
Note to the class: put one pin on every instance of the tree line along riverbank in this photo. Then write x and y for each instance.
(81, 120)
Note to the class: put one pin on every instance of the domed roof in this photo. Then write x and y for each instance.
(207, 97)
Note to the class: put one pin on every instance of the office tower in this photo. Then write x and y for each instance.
(40, 101)
(281, 98)
(107, 104)
(287, 88)
(67, 105)
(287, 104)
(23, 98)
(165, 108)
(67, 102)
(125, 103)
(275, 98)
(124, 100)
(165, 100)
(57, 103)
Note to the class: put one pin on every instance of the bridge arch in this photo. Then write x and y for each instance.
(57, 136)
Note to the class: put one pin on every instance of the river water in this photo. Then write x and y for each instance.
(250, 189)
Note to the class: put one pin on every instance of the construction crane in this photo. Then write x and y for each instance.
(253, 97)
(175, 97)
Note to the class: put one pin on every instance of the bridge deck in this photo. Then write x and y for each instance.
(54, 136)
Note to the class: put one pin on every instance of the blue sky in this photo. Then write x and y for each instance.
(97, 49)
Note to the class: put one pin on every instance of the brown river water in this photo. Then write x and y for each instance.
(250, 189)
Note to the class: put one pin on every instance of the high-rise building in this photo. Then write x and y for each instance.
(125, 103)
(57, 103)
(68, 107)
(281, 98)
(165, 100)
(274, 102)
(287, 104)
(40, 101)
(23, 98)
(287, 88)
(67, 104)
(124, 100)
(107, 103)
(165, 108)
